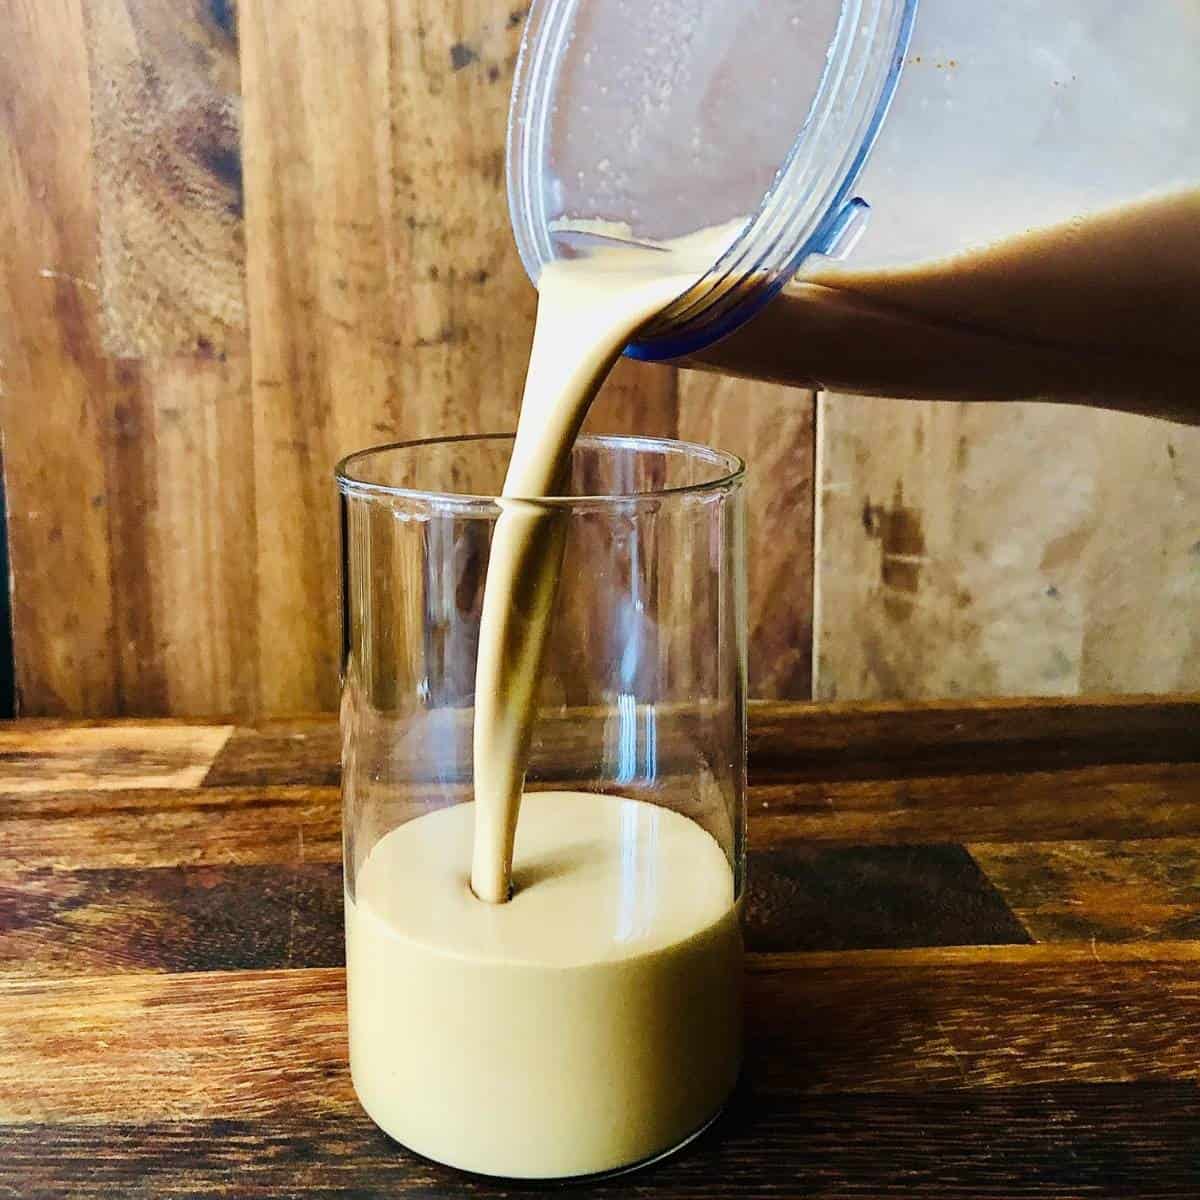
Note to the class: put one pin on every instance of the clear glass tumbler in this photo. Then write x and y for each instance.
(593, 1022)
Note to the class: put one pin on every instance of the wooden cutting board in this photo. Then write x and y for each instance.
(974, 941)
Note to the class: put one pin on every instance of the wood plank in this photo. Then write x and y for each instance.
(825, 897)
(181, 498)
(167, 123)
(1138, 800)
(131, 524)
(1106, 891)
(319, 207)
(1143, 569)
(1043, 1142)
(864, 740)
(978, 1022)
(377, 225)
(282, 824)
(53, 381)
(166, 114)
(145, 1047)
(772, 429)
(170, 919)
(205, 536)
(468, 305)
(1061, 954)
(305, 750)
(252, 1045)
(107, 758)
(279, 824)
(236, 917)
(639, 399)
(1002, 550)
(162, 828)
(832, 741)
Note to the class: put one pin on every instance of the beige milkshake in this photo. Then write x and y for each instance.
(589, 1023)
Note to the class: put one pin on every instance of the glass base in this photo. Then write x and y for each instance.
(555, 1181)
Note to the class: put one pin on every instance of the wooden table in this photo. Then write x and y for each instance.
(975, 966)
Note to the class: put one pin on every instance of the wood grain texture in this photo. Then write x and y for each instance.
(825, 897)
(301, 750)
(172, 1021)
(1105, 891)
(1012, 550)
(182, 531)
(377, 225)
(106, 920)
(1011, 772)
(53, 378)
(895, 739)
(832, 740)
(178, 919)
(638, 398)
(106, 757)
(1033, 1142)
(772, 429)
(166, 147)
(161, 828)
(1127, 801)
(261, 237)
(287, 223)
(260, 1044)
(126, 397)
(321, 258)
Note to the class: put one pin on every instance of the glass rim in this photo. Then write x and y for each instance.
(731, 468)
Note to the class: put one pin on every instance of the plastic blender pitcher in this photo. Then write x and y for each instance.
(844, 143)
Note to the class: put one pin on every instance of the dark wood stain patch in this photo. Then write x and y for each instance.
(259, 917)
(1107, 891)
(873, 897)
(901, 538)
(302, 751)
(171, 919)
(462, 55)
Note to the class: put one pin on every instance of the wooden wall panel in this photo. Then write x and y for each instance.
(238, 241)
(1010, 550)
(167, 164)
(52, 377)
(181, 497)
(126, 401)
(772, 428)
(387, 300)
(323, 328)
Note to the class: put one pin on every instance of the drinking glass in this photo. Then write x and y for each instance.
(503, 1065)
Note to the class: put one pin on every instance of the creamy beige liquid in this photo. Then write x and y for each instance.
(1100, 311)
(588, 310)
(589, 1023)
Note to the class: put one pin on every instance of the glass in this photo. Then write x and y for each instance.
(642, 697)
(884, 132)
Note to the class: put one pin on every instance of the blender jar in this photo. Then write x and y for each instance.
(956, 201)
